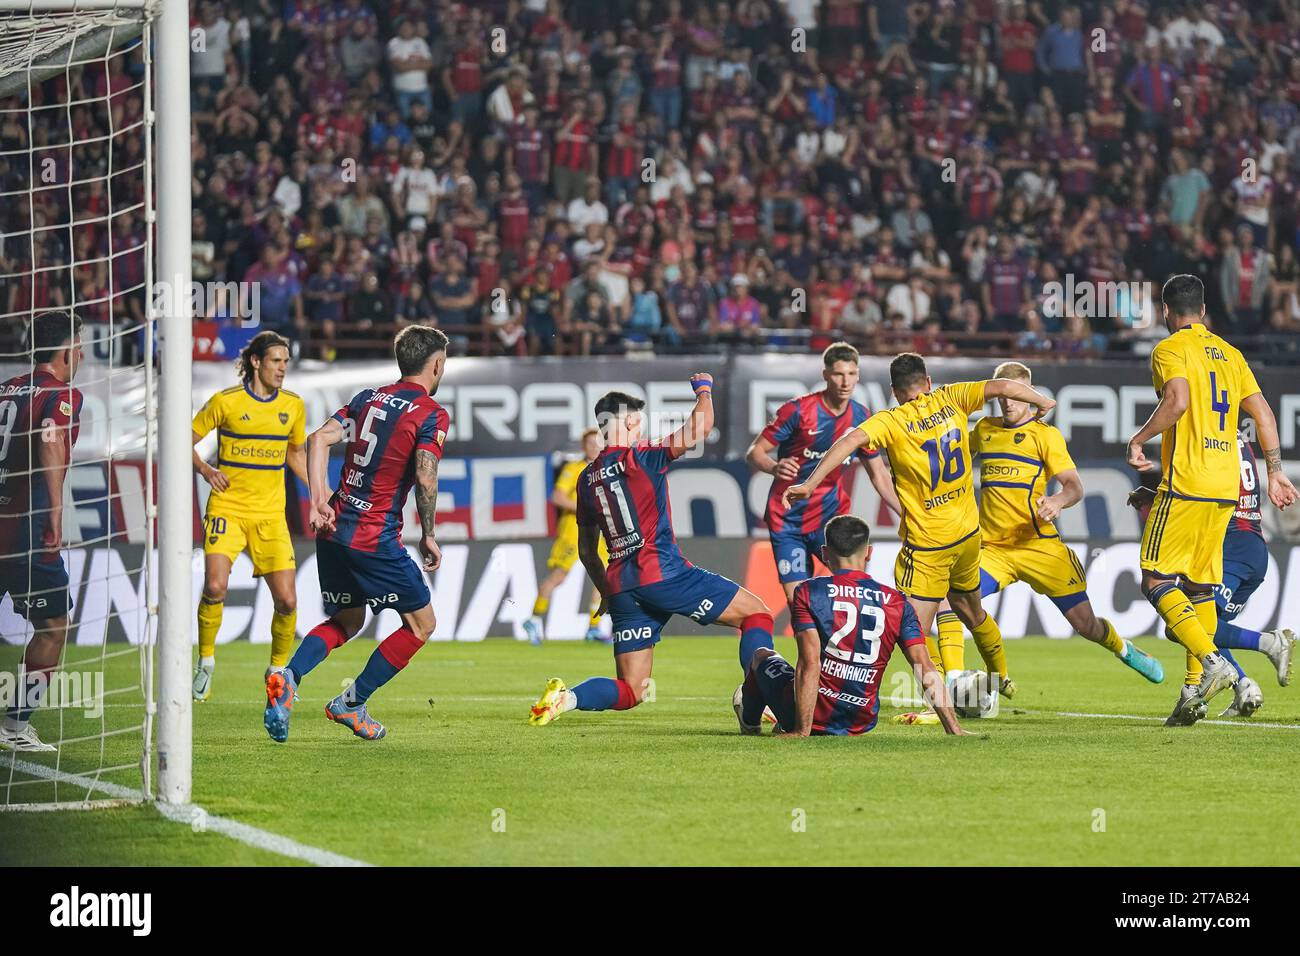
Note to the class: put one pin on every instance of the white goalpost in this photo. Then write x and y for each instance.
(94, 225)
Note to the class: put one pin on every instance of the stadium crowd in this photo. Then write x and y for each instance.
(540, 176)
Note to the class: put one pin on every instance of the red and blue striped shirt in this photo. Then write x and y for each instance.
(624, 493)
(804, 428)
(385, 428)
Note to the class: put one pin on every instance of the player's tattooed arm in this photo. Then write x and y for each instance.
(1280, 489)
(426, 503)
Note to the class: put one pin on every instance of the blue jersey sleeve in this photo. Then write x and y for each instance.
(783, 424)
(909, 628)
(655, 459)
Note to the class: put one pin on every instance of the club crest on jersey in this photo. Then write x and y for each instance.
(65, 408)
(440, 437)
(1020, 436)
(284, 418)
(212, 539)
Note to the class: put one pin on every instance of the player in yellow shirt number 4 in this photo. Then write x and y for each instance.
(926, 439)
(1203, 384)
(260, 431)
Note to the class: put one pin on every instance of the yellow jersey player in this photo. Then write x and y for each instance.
(926, 440)
(1018, 455)
(564, 553)
(1203, 384)
(260, 429)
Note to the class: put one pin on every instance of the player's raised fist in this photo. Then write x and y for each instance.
(702, 382)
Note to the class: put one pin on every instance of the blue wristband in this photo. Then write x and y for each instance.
(704, 385)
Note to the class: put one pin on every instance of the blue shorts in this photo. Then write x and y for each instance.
(39, 588)
(1245, 562)
(639, 614)
(381, 579)
(794, 550)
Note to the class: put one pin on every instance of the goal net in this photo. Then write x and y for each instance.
(77, 428)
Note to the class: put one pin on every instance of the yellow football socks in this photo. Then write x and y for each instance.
(540, 606)
(988, 638)
(209, 624)
(1184, 623)
(932, 646)
(1110, 639)
(952, 642)
(283, 627)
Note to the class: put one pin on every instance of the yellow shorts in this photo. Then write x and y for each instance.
(928, 575)
(564, 553)
(266, 540)
(1184, 538)
(1045, 564)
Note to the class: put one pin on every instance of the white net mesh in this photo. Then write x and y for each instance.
(76, 436)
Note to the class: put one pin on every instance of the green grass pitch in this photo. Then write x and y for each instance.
(462, 779)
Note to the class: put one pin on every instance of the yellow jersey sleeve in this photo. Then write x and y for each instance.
(968, 396)
(1055, 455)
(299, 434)
(877, 429)
(211, 415)
(1168, 361)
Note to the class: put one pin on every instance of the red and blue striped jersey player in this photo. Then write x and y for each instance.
(623, 496)
(1245, 563)
(846, 625)
(394, 437)
(790, 447)
(40, 415)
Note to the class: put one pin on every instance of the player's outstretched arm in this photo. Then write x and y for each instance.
(589, 555)
(700, 423)
(1174, 399)
(932, 685)
(319, 443)
(1280, 489)
(1018, 392)
(840, 452)
(426, 503)
(807, 669)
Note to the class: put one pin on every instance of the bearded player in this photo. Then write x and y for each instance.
(1018, 456)
(846, 625)
(926, 439)
(261, 427)
(394, 437)
(40, 418)
(1203, 384)
(564, 552)
(789, 448)
(623, 495)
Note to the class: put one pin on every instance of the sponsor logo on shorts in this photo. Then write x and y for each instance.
(705, 607)
(633, 634)
(336, 597)
(389, 598)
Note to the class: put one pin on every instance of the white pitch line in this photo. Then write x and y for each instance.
(198, 819)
